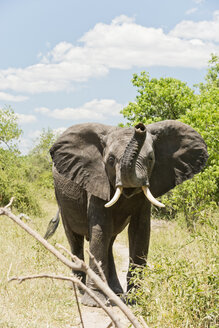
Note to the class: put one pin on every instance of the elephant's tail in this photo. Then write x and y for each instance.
(52, 226)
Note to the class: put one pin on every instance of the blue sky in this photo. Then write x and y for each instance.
(67, 62)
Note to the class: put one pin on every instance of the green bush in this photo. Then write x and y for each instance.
(158, 99)
(193, 198)
(179, 288)
(14, 184)
(168, 98)
(26, 178)
(196, 196)
(40, 161)
(26, 199)
(9, 130)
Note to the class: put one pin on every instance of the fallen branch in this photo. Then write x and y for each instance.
(98, 265)
(9, 204)
(78, 305)
(26, 217)
(73, 257)
(73, 280)
(76, 296)
(77, 265)
(143, 322)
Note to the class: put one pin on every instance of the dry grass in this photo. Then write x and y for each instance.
(41, 303)
(174, 252)
(36, 303)
(179, 288)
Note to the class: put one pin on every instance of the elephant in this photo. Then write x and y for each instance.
(107, 177)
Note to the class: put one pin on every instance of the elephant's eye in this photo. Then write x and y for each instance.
(150, 157)
(111, 160)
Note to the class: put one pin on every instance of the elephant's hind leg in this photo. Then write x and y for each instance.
(76, 243)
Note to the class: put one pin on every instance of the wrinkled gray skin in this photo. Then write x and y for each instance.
(91, 160)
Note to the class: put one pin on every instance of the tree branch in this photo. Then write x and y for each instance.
(77, 265)
(73, 280)
(2, 140)
(98, 265)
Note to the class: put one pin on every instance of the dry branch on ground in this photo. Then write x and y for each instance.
(77, 265)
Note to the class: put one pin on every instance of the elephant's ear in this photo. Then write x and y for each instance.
(180, 152)
(77, 154)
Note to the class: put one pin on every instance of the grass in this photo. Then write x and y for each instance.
(35, 303)
(179, 288)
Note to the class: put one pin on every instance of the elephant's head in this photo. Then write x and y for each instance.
(100, 158)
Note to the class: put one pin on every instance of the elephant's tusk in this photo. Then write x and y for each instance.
(115, 197)
(151, 198)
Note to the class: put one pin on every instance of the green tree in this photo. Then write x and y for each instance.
(168, 98)
(9, 130)
(158, 99)
(212, 76)
(203, 190)
(195, 197)
(42, 146)
(40, 163)
(12, 166)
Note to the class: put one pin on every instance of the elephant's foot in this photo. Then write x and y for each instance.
(116, 287)
(128, 300)
(81, 276)
(89, 301)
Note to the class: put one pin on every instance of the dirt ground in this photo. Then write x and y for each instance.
(95, 317)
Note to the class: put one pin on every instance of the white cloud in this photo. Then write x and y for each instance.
(191, 11)
(12, 98)
(28, 141)
(199, 1)
(94, 110)
(24, 119)
(25, 145)
(123, 44)
(123, 19)
(34, 134)
(42, 110)
(204, 30)
(59, 131)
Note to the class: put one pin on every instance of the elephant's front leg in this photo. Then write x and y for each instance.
(139, 237)
(100, 231)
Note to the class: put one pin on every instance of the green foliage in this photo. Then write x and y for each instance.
(212, 76)
(169, 98)
(204, 118)
(26, 178)
(158, 99)
(9, 130)
(194, 197)
(13, 167)
(14, 184)
(43, 144)
(40, 161)
(180, 286)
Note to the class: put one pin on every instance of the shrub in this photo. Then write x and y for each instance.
(193, 198)
(40, 161)
(23, 176)
(168, 98)
(14, 184)
(179, 287)
(158, 99)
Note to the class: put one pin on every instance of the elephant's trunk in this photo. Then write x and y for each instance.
(133, 174)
